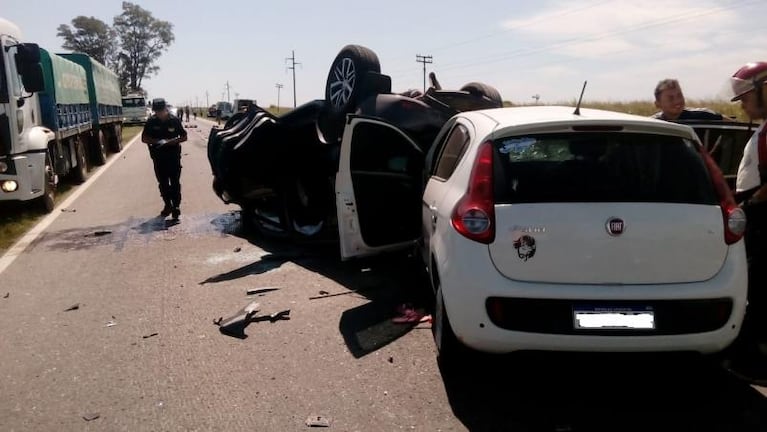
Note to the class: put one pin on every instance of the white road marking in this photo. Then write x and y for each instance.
(20, 246)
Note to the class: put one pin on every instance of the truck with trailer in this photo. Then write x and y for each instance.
(54, 113)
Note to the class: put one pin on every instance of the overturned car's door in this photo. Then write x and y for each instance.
(378, 188)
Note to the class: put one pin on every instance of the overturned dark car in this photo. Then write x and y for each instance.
(281, 169)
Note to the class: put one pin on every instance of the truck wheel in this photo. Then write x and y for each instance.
(81, 170)
(344, 81)
(481, 89)
(47, 202)
(117, 139)
(99, 148)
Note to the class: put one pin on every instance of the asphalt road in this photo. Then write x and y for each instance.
(141, 351)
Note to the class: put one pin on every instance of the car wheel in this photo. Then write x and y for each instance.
(481, 89)
(449, 349)
(81, 170)
(99, 148)
(344, 81)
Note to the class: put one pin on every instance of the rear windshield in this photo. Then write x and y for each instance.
(601, 167)
(133, 102)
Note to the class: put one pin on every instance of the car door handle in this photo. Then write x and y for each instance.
(433, 210)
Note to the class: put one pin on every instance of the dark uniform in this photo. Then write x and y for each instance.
(166, 158)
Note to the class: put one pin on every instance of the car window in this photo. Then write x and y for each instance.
(382, 149)
(601, 167)
(453, 150)
(725, 145)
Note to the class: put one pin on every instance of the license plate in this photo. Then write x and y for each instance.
(614, 318)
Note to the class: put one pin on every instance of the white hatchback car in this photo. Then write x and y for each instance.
(547, 230)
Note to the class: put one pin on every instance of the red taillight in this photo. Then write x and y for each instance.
(474, 215)
(734, 217)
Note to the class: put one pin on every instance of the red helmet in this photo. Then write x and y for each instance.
(748, 78)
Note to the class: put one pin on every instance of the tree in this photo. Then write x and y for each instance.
(91, 36)
(143, 39)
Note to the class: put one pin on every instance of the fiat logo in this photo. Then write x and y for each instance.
(615, 226)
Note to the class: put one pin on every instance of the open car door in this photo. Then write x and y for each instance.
(378, 188)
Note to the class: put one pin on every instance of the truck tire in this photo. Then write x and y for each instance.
(481, 89)
(99, 147)
(47, 202)
(344, 82)
(117, 138)
(81, 170)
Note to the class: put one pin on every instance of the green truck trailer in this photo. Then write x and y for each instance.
(57, 116)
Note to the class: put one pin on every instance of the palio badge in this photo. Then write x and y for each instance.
(525, 247)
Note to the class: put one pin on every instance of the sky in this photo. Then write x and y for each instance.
(523, 48)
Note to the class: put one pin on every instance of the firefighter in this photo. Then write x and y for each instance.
(748, 87)
(163, 134)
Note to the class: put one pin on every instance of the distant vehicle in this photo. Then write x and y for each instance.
(58, 112)
(134, 109)
(212, 111)
(226, 109)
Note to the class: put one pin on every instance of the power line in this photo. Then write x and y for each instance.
(292, 67)
(425, 60)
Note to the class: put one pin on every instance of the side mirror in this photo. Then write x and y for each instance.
(32, 77)
(27, 53)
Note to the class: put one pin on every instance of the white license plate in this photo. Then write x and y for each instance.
(607, 318)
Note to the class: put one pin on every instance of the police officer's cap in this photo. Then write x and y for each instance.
(158, 104)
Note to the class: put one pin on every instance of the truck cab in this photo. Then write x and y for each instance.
(23, 141)
(134, 109)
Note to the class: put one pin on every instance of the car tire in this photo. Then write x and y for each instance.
(99, 148)
(342, 88)
(81, 170)
(449, 350)
(481, 89)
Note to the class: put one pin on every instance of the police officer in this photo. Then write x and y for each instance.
(164, 133)
(748, 86)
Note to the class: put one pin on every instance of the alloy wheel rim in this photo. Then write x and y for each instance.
(342, 83)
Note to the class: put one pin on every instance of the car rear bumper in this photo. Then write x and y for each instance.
(716, 307)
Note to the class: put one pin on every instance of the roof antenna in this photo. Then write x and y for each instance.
(580, 99)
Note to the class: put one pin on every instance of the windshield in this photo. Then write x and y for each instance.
(602, 167)
(133, 102)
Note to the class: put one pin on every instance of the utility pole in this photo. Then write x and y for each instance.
(279, 86)
(228, 99)
(292, 60)
(207, 99)
(536, 97)
(425, 60)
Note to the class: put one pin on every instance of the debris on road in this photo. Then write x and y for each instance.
(331, 295)
(150, 335)
(111, 324)
(391, 359)
(237, 249)
(7, 295)
(101, 233)
(282, 315)
(323, 292)
(318, 421)
(235, 324)
(91, 416)
(74, 307)
(261, 291)
(68, 210)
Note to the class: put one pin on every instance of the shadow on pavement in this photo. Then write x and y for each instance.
(386, 281)
(601, 392)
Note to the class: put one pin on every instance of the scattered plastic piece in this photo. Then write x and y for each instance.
(91, 416)
(150, 335)
(75, 306)
(318, 421)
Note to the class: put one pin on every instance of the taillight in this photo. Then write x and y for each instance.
(474, 215)
(734, 217)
